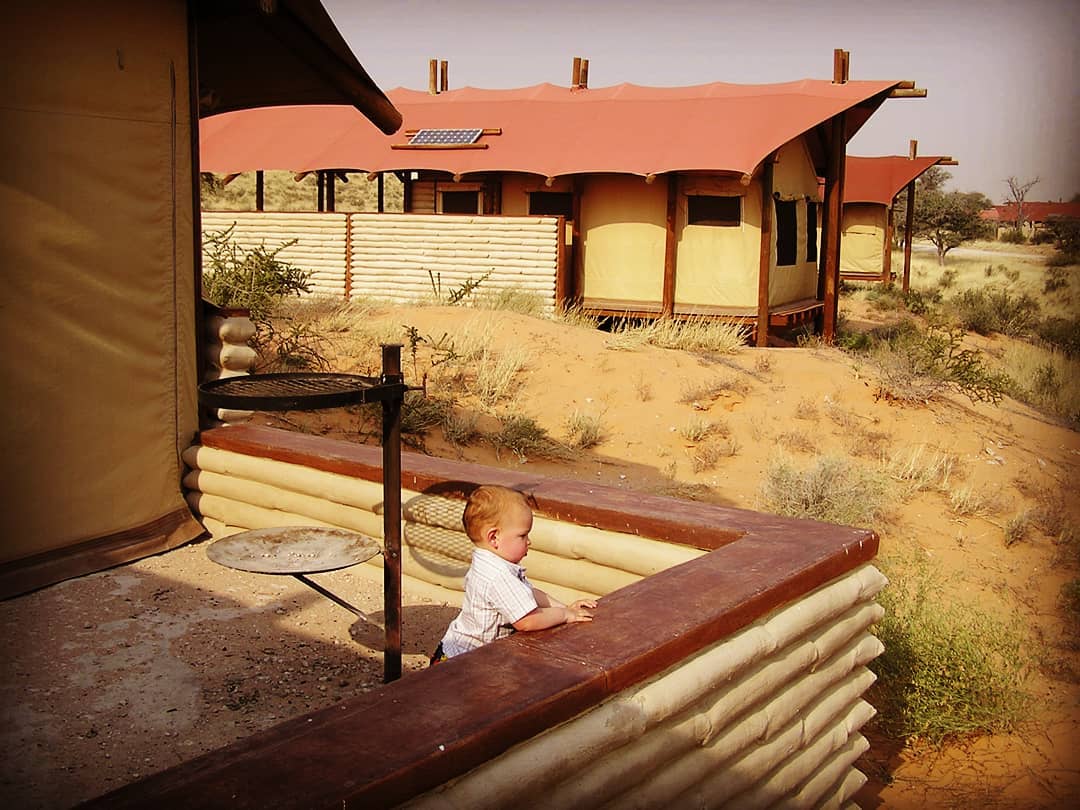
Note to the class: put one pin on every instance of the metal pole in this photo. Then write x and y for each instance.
(391, 446)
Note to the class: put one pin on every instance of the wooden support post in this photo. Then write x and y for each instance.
(260, 191)
(433, 77)
(320, 198)
(444, 76)
(667, 303)
(577, 249)
(583, 78)
(575, 73)
(406, 194)
(886, 253)
(840, 66)
(834, 195)
(329, 181)
(391, 458)
(380, 193)
(562, 283)
(909, 220)
(765, 252)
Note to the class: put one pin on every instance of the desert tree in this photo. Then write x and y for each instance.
(1018, 191)
(948, 219)
(932, 180)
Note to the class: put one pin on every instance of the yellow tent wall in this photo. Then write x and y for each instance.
(624, 231)
(863, 242)
(98, 298)
(794, 178)
(717, 266)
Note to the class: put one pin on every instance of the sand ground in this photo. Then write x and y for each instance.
(116, 675)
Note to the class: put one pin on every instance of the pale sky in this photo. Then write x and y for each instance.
(1003, 76)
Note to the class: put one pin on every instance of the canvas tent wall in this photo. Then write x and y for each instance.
(99, 301)
(870, 187)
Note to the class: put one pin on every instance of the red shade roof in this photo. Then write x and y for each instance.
(1033, 212)
(548, 130)
(880, 179)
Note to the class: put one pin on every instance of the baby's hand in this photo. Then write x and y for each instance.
(580, 611)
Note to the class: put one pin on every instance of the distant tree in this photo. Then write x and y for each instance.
(1075, 198)
(948, 219)
(933, 179)
(1017, 194)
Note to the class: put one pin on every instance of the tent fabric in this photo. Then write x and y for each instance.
(288, 52)
(880, 179)
(548, 130)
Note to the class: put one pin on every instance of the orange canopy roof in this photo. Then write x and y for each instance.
(548, 130)
(880, 179)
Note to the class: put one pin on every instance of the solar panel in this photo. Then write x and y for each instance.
(444, 137)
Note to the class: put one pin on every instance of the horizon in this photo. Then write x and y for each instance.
(1002, 99)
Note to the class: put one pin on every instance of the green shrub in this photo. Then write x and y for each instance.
(994, 310)
(522, 436)
(948, 670)
(249, 278)
(1062, 334)
(832, 489)
(1014, 236)
(1057, 278)
(916, 366)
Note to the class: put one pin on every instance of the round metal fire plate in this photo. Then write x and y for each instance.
(293, 550)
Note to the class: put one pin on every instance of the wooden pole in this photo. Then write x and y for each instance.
(577, 249)
(909, 220)
(834, 195)
(667, 303)
(765, 252)
(583, 78)
(391, 441)
(380, 188)
(886, 253)
(575, 73)
(444, 76)
(320, 203)
(330, 183)
(433, 77)
(260, 191)
(562, 297)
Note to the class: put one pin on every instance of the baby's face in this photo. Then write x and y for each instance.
(512, 536)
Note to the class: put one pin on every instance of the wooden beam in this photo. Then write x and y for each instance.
(912, 149)
(331, 191)
(320, 186)
(229, 178)
(765, 252)
(260, 191)
(444, 76)
(907, 85)
(433, 77)
(583, 78)
(948, 162)
(298, 176)
(920, 93)
(667, 301)
(650, 178)
(380, 201)
(575, 73)
(841, 64)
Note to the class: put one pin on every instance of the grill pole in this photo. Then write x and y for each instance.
(391, 446)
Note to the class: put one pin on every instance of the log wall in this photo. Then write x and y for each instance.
(406, 258)
(732, 677)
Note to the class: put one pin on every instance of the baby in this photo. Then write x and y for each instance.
(499, 599)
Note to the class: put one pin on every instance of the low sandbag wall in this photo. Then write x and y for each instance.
(732, 677)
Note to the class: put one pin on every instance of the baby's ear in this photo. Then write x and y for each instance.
(491, 534)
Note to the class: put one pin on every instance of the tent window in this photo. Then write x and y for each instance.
(707, 209)
(787, 232)
(551, 204)
(811, 231)
(460, 202)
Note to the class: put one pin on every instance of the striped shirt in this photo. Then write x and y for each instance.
(497, 594)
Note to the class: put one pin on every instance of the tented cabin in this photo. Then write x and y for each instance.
(871, 185)
(680, 201)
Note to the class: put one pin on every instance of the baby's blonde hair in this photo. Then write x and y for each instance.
(487, 506)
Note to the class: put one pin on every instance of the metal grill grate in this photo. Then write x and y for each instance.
(289, 391)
